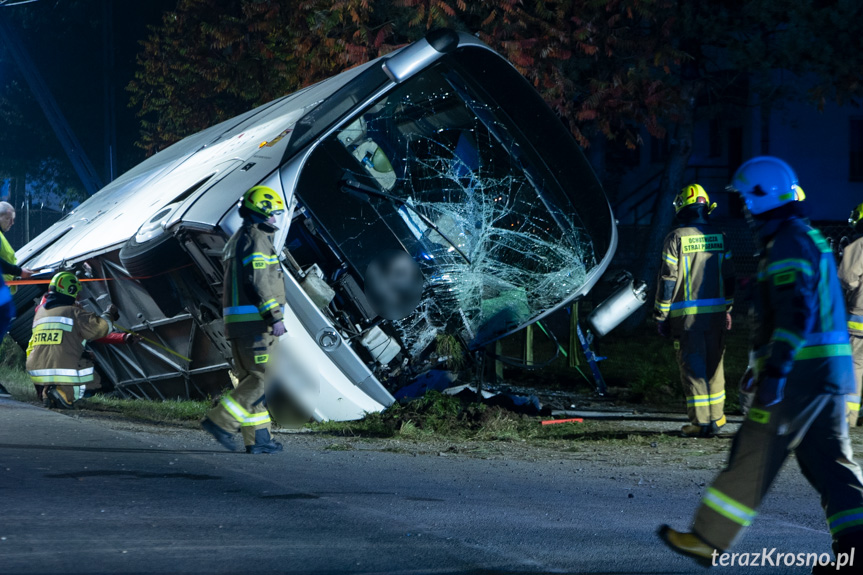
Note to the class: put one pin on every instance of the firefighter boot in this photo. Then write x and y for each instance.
(219, 434)
(56, 398)
(689, 544)
(263, 443)
(692, 430)
(845, 559)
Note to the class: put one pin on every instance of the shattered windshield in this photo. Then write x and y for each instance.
(444, 171)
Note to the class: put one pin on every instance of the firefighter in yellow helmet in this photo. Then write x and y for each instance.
(851, 278)
(694, 296)
(252, 301)
(61, 329)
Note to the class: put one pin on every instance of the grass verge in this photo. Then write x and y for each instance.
(18, 383)
(167, 411)
(438, 416)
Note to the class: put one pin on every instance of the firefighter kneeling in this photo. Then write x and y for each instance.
(61, 329)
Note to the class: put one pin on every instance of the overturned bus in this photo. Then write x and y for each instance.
(441, 151)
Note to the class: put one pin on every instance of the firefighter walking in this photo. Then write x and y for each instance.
(851, 278)
(803, 373)
(253, 297)
(694, 296)
(61, 329)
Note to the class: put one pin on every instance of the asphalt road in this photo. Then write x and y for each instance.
(80, 496)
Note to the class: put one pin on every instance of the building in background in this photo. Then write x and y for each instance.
(825, 147)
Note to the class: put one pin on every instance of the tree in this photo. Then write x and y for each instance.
(812, 42)
(24, 139)
(594, 61)
(608, 67)
(30, 155)
(208, 61)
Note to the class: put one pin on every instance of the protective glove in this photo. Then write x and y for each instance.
(112, 314)
(771, 390)
(663, 329)
(26, 273)
(279, 329)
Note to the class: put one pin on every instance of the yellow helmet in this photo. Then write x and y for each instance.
(691, 195)
(264, 201)
(65, 283)
(856, 215)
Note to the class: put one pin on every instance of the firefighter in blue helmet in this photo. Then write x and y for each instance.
(694, 296)
(252, 301)
(803, 372)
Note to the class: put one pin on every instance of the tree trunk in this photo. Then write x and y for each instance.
(672, 181)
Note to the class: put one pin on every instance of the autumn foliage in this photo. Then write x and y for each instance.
(599, 63)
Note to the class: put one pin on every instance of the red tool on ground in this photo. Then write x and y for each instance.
(553, 421)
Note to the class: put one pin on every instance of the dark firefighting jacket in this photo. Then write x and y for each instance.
(696, 279)
(851, 279)
(254, 287)
(800, 323)
(59, 336)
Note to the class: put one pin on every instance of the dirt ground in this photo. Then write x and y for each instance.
(611, 442)
(614, 433)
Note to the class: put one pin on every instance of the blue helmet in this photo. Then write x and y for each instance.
(765, 183)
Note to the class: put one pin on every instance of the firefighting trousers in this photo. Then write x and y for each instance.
(700, 355)
(815, 428)
(7, 315)
(72, 393)
(853, 405)
(244, 408)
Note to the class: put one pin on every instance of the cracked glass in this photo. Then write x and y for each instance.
(440, 169)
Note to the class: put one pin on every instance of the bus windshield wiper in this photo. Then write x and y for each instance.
(351, 185)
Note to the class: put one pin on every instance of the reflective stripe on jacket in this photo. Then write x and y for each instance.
(59, 336)
(800, 322)
(851, 279)
(254, 287)
(696, 279)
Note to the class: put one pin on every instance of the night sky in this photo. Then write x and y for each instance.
(67, 49)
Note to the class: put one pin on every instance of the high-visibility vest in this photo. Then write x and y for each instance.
(8, 254)
(696, 279)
